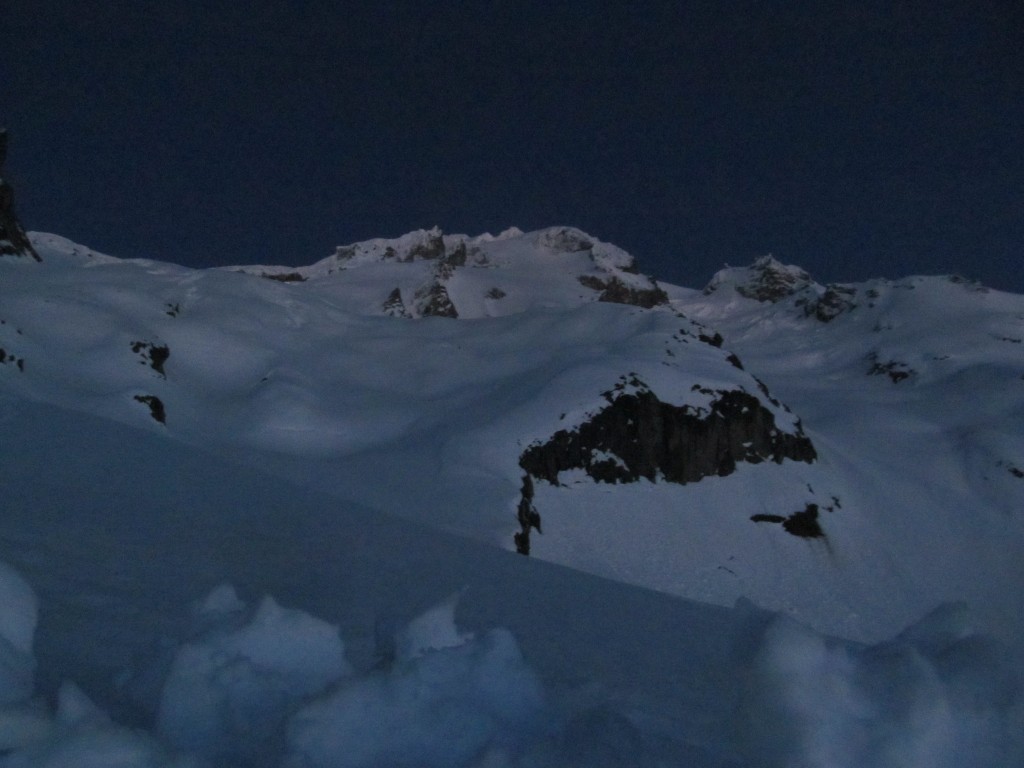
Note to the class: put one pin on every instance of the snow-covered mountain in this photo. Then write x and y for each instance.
(368, 435)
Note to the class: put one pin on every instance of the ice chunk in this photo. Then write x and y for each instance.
(222, 601)
(431, 631)
(440, 708)
(227, 694)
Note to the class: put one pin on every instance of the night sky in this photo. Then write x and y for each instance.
(857, 139)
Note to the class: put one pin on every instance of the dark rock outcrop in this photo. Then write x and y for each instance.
(714, 341)
(156, 407)
(284, 277)
(13, 240)
(803, 523)
(457, 256)
(765, 518)
(614, 291)
(639, 436)
(766, 280)
(896, 370)
(836, 300)
(527, 516)
(8, 359)
(154, 355)
(432, 247)
(393, 305)
(433, 301)
(565, 240)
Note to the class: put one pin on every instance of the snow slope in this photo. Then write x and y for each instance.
(315, 654)
(319, 437)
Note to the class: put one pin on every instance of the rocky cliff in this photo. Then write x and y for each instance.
(637, 435)
(13, 241)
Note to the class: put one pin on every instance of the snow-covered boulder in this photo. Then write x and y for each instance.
(449, 700)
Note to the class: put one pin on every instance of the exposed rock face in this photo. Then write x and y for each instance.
(836, 300)
(765, 280)
(13, 240)
(565, 240)
(156, 407)
(773, 281)
(637, 435)
(457, 256)
(615, 291)
(393, 305)
(527, 516)
(896, 370)
(803, 524)
(640, 436)
(432, 247)
(284, 277)
(153, 355)
(8, 359)
(433, 301)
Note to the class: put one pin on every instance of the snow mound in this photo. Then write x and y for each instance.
(433, 630)
(271, 687)
(936, 695)
(56, 249)
(446, 707)
(228, 692)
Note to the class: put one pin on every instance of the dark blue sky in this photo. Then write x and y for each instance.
(857, 139)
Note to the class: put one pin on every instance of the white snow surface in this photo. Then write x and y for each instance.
(307, 564)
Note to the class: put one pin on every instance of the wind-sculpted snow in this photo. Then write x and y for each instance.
(272, 688)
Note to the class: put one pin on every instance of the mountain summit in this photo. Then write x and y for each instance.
(428, 273)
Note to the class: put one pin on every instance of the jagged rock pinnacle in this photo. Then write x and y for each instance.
(13, 240)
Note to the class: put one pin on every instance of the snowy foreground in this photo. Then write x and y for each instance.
(307, 561)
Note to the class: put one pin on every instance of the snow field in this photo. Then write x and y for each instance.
(290, 405)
